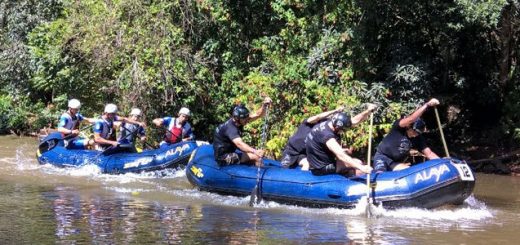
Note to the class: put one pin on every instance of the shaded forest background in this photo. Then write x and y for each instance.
(308, 55)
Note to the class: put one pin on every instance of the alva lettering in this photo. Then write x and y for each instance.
(433, 172)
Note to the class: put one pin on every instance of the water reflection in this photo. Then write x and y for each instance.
(46, 205)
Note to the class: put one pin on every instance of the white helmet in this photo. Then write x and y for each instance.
(110, 108)
(74, 104)
(185, 111)
(135, 112)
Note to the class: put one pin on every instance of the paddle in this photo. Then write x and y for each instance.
(134, 133)
(113, 148)
(369, 153)
(442, 133)
(256, 192)
(52, 141)
(70, 136)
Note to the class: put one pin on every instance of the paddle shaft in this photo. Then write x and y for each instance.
(70, 136)
(442, 133)
(369, 154)
(135, 132)
(256, 190)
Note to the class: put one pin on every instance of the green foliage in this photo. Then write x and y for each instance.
(482, 12)
(16, 115)
(208, 55)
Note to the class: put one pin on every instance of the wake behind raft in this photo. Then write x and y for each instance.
(426, 185)
(51, 150)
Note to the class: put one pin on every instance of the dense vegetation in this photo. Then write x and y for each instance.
(307, 55)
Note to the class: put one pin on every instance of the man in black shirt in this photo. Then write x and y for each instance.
(325, 154)
(294, 151)
(228, 138)
(404, 135)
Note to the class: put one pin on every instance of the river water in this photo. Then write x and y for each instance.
(42, 204)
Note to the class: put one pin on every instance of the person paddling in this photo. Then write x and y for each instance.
(406, 133)
(228, 137)
(294, 151)
(104, 127)
(128, 132)
(325, 154)
(69, 124)
(177, 129)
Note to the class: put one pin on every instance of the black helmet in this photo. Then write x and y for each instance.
(419, 126)
(341, 121)
(240, 112)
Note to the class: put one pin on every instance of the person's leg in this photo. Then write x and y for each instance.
(77, 144)
(399, 166)
(250, 157)
(342, 168)
(381, 162)
(329, 169)
(288, 159)
(304, 164)
(228, 159)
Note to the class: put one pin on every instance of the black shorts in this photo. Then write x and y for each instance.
(383, 163)
(291, 160)
(329, 169)
(229, 159)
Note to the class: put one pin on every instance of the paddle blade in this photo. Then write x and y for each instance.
(253, 196)
(369, 208)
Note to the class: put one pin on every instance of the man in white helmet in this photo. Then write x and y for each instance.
(128, 132)
(69, 123)
(177, 129)
(104, 127)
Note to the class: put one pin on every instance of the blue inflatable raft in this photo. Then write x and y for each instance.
(114, 161)
(426, 185)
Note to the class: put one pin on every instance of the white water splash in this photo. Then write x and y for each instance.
(471, 210)
(24, 162)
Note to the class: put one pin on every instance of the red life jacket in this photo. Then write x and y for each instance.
(174, 134)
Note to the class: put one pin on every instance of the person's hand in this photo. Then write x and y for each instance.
(371, 107)
(114, 143)
(366, 169)
(340, 109)
(267, 101)
(74, 132)
(142, 124)
(260, 153)
(433, 102)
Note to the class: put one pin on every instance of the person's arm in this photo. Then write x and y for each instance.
(90, 120)
(128, 120)
(100, 140)
(142, 133)
(118, 124)
(65, 131)
(363, 115)
(334, 146)
(428, 153)
(405, 122)
(246, 148)
(98, 129)
(260, 112)
(316, 118)
(158, 122)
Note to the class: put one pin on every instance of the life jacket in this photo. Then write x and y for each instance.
(107, 131)
(174, 133)
(72, 121)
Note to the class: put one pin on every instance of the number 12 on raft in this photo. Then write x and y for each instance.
(464, 172)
